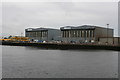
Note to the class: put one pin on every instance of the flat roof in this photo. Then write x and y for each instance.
(81, 27)
(39, 29)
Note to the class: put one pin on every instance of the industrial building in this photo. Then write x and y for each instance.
(110, 40)
(43, 34)
(79, 34)
(85, 33)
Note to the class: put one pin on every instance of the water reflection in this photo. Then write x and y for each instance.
(29, 62)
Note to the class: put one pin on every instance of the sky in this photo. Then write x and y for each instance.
(17, 16)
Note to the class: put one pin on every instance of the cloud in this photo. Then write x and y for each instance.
(21, 15)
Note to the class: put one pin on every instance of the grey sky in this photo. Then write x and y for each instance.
(17, 16)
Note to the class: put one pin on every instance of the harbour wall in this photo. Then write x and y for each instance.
(65, 46)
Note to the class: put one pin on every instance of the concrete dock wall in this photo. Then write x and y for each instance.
(64, 46)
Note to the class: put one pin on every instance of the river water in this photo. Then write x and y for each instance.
(30, 62)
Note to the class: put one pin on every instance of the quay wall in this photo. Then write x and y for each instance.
(65, 46)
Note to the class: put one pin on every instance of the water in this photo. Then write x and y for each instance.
(0, 62)
(29, 62)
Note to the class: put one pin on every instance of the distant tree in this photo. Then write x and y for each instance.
(5, 37)
(10, 36)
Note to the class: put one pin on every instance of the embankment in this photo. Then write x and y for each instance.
(65, 46)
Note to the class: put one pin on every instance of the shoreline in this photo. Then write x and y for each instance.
(66, 46)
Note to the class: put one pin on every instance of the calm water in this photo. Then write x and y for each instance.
(28, 62)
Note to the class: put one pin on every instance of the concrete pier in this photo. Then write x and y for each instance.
(66, 46)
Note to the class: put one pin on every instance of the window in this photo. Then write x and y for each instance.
(45, 33)
(39, 34)
(62, 33)
(86, 34)
(89, 33)
(92, 33)
(74, 33)
(82, 33)
(67, 34)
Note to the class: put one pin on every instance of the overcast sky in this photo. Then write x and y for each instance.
(17, 16)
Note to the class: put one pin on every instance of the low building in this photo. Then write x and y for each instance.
(85, 33)
(43, 34)
(109, 40)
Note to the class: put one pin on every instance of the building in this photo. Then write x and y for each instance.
(85, 33)
(43, 34)
(110, 40)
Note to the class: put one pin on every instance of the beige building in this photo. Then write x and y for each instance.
(109, 40)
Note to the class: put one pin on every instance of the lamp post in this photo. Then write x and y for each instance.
(21, 36)
(107, 32)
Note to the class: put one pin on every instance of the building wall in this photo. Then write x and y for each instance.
(47, 35)
(54, 35)
(102, 32)
(83, 35)
(79, 35)
(80, 40)
(111, 40)
(40, 35)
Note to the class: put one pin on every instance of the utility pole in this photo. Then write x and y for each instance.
(107, 32)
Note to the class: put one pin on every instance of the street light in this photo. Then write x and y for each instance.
(107, 32)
